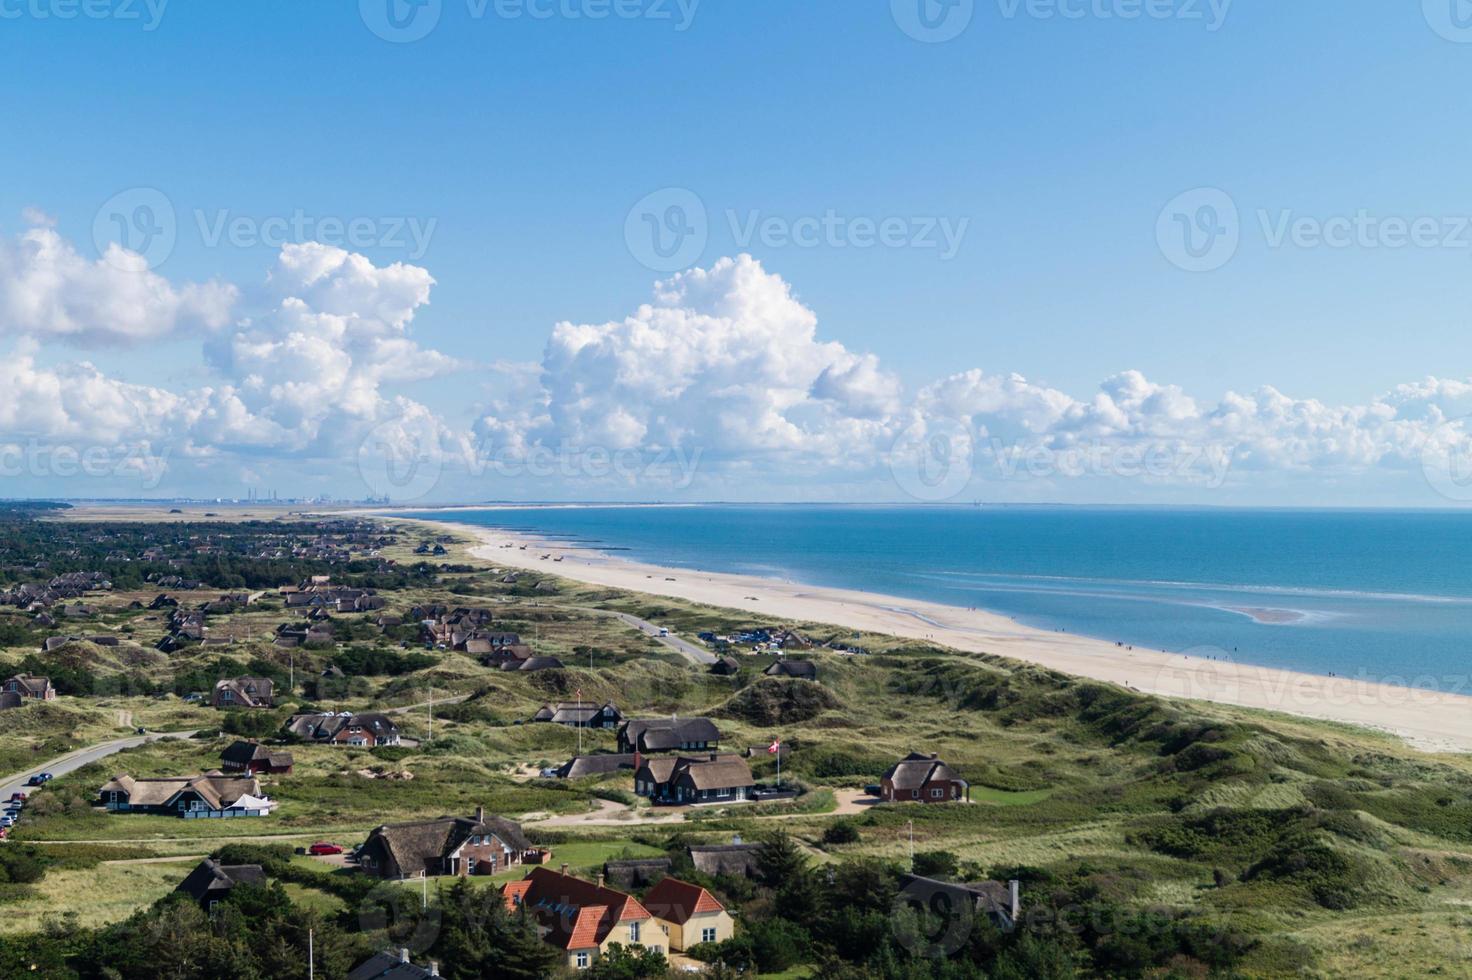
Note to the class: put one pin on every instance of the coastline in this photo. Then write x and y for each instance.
(1431, 721)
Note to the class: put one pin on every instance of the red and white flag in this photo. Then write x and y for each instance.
(775, 747)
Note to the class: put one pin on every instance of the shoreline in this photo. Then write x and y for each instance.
(1431, 721)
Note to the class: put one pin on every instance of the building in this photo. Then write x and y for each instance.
(736, 859)
(726, 667)
(210, 882)
(688, 914)
(392, 966)
(708, 779)
(366, 730)
(669, 735)
(255, 758)
(920, 778)
(576, 715)
(999, 901)
(460, 846)
(581, 918)
(600, 764)
(804, 670)
(243, 692)
(211, 796)
(29, 688)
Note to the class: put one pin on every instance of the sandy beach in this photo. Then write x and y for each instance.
(1429, 720)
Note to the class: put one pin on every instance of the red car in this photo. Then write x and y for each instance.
(17, 797)
(323, 847)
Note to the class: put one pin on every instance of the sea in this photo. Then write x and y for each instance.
(1374, 594)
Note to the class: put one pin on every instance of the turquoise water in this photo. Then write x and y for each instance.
(1379, 594)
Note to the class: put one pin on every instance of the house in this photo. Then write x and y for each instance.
(365, 730)
(669, 735)
(581, 918)
(726, 667)
(688, 914)
(920, 778)
(708, 779)
(736, 859)
(392, 966)
(597, 765)
(255, 758)
(210, 882)
(243, 692)
(636, 872)
(577, 715)
(211, 796)
(534, 663)
(999, 901)
(801, 669)
(460, 846)
(30, 688)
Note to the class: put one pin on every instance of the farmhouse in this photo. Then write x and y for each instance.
(680, 780)
(920, 778)
(211, 796)
(210, 882)
(580, 918)
(253, 758)
(669, 735)
(366, 730)
(243, 692)
(462, 846)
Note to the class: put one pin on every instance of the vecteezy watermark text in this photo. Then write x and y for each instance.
(406, 232)
(50, 460)
(668, 230)
(1211, 13)
(1202, 229)
(406, 21)
(833, 230)
(148, 13)
(144, 222)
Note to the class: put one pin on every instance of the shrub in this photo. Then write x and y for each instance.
(842, 832)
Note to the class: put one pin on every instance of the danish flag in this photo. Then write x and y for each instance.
(775, 747)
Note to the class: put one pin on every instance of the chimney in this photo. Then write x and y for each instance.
(403, 954)
(600, 879)
(480, 814)
(1015, 887)
(564, 869)
(434, 968)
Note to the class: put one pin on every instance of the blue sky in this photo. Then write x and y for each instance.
(1054, 140)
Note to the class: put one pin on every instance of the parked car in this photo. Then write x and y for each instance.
(38, 779)
(324, 847)
(4, 832)
(17, 795)
(7, 821)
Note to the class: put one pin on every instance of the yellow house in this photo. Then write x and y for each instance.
(581, 918)
(688, 914)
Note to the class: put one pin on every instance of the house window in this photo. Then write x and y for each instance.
(707, 935)
(937, 794)
(914, 794)
(633, 932)
(582, 961)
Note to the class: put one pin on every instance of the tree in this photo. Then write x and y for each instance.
(629, 963)
(779, 859)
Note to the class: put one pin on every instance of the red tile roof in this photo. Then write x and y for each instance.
(676, 901)
(578, 913)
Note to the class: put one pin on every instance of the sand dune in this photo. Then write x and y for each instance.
(1429, 720)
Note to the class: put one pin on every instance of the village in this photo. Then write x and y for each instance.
(318, 641)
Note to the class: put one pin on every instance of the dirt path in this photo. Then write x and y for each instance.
(608, 813)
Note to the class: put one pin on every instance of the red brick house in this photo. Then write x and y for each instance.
(920, 778)
(31, 688)
(462, 846)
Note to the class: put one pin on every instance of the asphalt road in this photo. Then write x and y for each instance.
(80, 758)
(698, 654)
